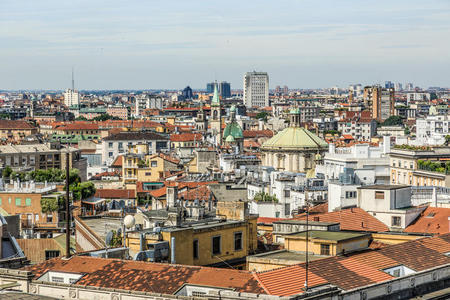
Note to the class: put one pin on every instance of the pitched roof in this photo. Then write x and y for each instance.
(355, 219)
(115, 194)
(293, 138)
(118, 162)
(432, 220)
(186, 137)
(360, 268)
(257, 133)
(147, 277)
(15, 124)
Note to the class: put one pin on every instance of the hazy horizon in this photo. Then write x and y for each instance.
(136, 45)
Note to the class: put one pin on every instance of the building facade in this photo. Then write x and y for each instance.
(256, 89)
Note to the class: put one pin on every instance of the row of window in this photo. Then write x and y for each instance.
(405, 165)
(216, 244)
(18, 201)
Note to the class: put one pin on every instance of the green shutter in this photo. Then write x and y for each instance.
(28, 201)
(18, 201)
(0, 200)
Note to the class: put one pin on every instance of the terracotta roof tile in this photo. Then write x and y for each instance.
(432, 220)
(266, 220)
(15, 124)
(186, 137)
(355, 219)
(115, 194)
(118, 162)
(148, 277)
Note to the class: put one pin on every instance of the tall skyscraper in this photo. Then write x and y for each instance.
(210, 87)
(72, 97)
(380, 101)
(225, 89)
(409, 86)
(187, 93)
(398, 86)
(256, 89)
(388, 84)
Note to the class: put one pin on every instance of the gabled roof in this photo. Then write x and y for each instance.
(432, 220)
(118, 162)
(147, 277)
(355, 219)
(13, 124)
(186, 137)
(115, 194)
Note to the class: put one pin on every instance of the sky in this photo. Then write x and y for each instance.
(168, 44)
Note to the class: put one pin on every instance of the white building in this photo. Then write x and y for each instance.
(391, 204)
(417, 96)
(358, 157)
(146, 101)
(362, 130)
(256, 89)
(432, 130)
(71, 98)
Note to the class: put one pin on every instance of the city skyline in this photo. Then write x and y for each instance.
(159, 45)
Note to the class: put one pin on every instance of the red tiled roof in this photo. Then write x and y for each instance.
(288, 281)
(432, 220)
(355, 219)
(159, 192)
(257, 133)
(13, 124)
(321, 208)
(166, 157)
(118, 162)
(147, 277)
(115, 194)
(201, 193)
(79, 126)
(186, 137)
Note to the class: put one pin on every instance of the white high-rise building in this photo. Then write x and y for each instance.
(256, 89)
(71, 98)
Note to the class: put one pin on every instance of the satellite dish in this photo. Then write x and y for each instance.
(140, 256)
(109, 237)
(129, 221)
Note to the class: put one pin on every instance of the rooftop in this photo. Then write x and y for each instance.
(292, 138)
(326, 235)
(383, 187)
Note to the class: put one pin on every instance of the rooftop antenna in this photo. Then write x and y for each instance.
(73, 82)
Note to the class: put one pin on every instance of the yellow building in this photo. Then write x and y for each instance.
(327, 242)
(138, 165)
(219, 242)
(409, 166)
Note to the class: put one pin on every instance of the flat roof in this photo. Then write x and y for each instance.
(303, 222)
(326, 235)
(383, 187)
(294, 256)
(102, 226)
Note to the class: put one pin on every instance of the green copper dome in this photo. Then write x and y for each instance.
(295, 138)
(230, 139)
(234, 130)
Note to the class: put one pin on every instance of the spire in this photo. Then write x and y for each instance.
(215, 100)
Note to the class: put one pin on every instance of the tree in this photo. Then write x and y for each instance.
(49, 205)
(105, 117)
(264, 197)
(7, 172)
(81, 118)
(447, 140)
(262, 115)
(393, 121)
(82, 190)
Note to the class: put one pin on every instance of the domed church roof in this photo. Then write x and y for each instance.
(295, 138)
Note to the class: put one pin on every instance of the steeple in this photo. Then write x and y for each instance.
(215, 100)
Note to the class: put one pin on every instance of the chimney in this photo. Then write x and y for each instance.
(172, 195)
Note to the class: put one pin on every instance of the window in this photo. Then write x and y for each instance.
(27, 201)
(396, 221)
(18, 201)
(58, 279)
(148, 173)
(216, 244)
(51, 254)
(110, 145)
(72, 280)
(324, 249)
(49, 218)
(379, 195)
(195, 249)
(287, 193)
(351, 194)
(237, 241)
(154, 163)
(110, 154)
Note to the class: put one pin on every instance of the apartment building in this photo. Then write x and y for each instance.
(419, 166)
(16, 130)
(380, 101)
(256, 89)
(41, 157)
(432, 130)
